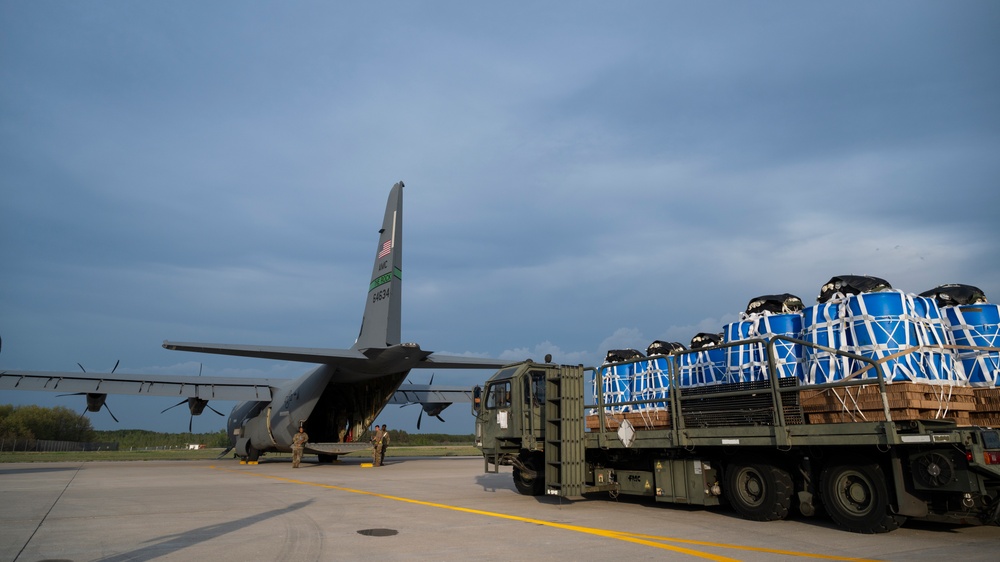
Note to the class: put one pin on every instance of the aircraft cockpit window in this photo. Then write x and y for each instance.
(498, 395)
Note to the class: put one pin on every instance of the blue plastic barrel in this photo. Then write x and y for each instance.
(938, 360)
(822, 325)
(650, 381)
(699, 368)
(977, 325)
(616, 387)
(788, 356)
(878, 325)
(742, 361)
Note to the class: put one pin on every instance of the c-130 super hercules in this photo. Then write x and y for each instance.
(335, 402)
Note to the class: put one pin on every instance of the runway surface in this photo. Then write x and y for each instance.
(410, 509)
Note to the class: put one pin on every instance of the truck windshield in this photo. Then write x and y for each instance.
(498, 395)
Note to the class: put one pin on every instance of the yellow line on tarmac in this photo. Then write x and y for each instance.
(751, 548)
(647, 540)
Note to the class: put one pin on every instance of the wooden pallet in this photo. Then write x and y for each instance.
(899, 395)
(987, 412)
(987, 399)
(898, 414)
(646, 419)
(906, 401)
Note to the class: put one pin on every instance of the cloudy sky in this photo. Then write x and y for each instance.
(579, 177)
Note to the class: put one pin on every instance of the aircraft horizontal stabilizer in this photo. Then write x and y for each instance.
(438, 361)
(299, 354)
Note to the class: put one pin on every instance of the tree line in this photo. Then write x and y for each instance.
(398, 437)
(29, 423)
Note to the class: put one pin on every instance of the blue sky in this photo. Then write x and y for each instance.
(579, 177)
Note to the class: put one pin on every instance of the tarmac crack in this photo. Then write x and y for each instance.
(47, 512)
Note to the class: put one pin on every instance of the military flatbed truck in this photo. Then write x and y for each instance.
(744, 443)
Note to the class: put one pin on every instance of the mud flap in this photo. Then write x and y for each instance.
(906, 503)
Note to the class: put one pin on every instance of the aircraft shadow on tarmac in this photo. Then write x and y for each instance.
(176, 542)
(38, 470)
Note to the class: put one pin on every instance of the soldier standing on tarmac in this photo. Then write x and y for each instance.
(377, 447)
(299, 441)
(385, 445)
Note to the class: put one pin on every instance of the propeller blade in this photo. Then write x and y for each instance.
(439, 417)
(418, 419)
(214, 410)
(106, 407)
(190, 421)
(71, 394)
(175, 405)
(224, 453)
(115, 367)
(81, 367)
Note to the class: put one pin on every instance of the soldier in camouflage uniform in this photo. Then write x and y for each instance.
(299, 441)
(377, 447)
(385, 445)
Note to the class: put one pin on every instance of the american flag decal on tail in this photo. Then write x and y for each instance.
(386, 249)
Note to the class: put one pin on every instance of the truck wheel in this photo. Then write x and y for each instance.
(856, 497)
(253, 455)
(759, 491)
(526, 485)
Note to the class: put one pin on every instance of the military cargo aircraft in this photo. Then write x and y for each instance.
(335, 402)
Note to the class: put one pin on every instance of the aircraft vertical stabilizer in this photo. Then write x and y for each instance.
(380, 326)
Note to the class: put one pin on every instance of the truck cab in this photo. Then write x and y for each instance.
(509, 414)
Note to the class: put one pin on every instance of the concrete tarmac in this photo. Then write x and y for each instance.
(410, 509)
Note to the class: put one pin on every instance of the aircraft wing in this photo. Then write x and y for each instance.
(205, 388)
(423, 393)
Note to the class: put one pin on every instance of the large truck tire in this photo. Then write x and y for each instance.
(759, 491)
(856, 496)
(526, 484)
